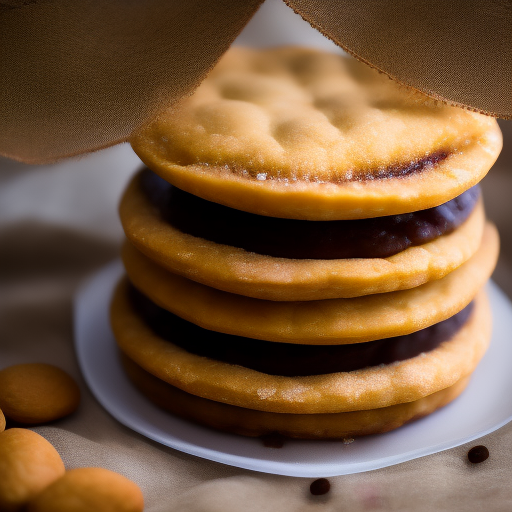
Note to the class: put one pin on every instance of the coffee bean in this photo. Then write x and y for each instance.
(320, 486)
(478, 454)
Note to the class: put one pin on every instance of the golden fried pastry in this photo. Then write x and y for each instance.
(369, 387)
(2, 421)
(332, 321)
(297, 133)
(87, 490)
(240, 271)
(249, 422)
(306, 249)
(37, 393)
(28, 464)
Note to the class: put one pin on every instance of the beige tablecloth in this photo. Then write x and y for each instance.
(57, 224)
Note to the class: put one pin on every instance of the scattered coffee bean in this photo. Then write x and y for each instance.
(478, 454)
(320, 486)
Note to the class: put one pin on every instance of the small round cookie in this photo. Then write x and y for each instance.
(248, 422)
(87, 490)
(28, 464)
(2, 421)
(37, 393)
(368, 388)
(236, 270)
(302, 134)
(324, 322)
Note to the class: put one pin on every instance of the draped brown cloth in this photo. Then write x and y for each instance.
(79, 76)
(58, 222)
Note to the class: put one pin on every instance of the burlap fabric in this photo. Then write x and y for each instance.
(59, 222)
(78, 76)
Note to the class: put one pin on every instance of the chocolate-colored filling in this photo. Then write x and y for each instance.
(320, 487)
(478, 454)
(396, 170)
(302, 239)
(399, 170)
(291, 359)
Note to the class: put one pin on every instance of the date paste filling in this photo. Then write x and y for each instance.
(378, 237)
(292, 360)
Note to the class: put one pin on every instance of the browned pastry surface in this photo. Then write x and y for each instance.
(370, 388)
(283, 279)
(304, 134)
(249, 422)
(376, 237)
(292, 359)
(331, 321)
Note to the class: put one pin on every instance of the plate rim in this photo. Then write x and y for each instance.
(109, 275)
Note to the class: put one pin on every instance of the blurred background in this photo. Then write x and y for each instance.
(497, 186)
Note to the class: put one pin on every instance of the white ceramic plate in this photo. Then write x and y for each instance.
(484, 406)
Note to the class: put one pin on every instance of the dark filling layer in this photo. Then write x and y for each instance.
(301, 239)
(397, 170)
(401, 170)
(290, 359)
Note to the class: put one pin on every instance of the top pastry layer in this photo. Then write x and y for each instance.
(297, 133)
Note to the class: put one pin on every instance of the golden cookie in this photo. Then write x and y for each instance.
(2, 421)
(298, 133)
(28, 464)
(37, 393)
(88, 490)
(284, 279)
(248, 422)
(332, 321)
(369, 388)
(291, 359)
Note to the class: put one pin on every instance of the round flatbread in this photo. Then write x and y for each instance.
(248, 422)
(323, 322)
(369, 388)
(284, 279)
(298, 133)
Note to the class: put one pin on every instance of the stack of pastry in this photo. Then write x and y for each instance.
(306, 250)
